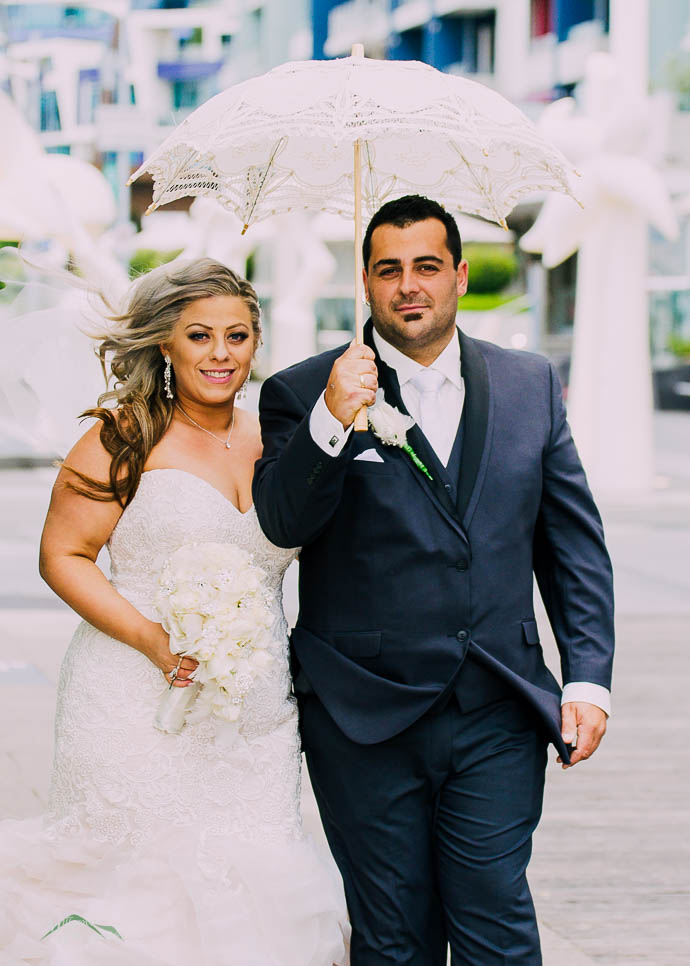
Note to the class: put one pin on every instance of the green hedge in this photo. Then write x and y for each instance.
(491, 268)
(679, 346)
(144, 259)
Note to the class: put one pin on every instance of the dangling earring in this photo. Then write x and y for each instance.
(166, 378)
(242, 391)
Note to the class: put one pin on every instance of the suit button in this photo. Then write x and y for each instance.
(461, 565)
(462, 636)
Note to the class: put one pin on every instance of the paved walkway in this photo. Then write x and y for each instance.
(611, 867)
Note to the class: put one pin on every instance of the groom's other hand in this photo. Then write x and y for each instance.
(352, 383)
(588, 723)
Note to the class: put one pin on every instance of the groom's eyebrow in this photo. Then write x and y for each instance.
(398, 261)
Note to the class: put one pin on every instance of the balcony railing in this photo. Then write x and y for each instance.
(182, 70)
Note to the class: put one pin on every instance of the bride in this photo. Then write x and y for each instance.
(162, 849)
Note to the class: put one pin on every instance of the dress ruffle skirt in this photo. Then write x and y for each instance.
(184, 898)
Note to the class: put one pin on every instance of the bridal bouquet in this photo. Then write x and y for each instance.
(213, 602)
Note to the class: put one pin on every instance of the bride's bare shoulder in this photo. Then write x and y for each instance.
(89, 455)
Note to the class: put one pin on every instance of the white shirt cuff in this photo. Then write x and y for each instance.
(327, 431)
(589, 693)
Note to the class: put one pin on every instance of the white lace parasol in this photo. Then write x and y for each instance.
(283, 141)
(342, 134)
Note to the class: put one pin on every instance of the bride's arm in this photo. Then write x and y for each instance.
(75, 530)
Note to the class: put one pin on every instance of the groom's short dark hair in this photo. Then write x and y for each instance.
(407, 211)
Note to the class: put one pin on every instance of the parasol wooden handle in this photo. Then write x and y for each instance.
(361, 418)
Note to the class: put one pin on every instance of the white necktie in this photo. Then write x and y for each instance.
(428, 382)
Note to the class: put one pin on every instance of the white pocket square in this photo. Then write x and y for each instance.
(370, 456)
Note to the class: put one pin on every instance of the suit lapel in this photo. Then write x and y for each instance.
(478, 410)
(435, 490)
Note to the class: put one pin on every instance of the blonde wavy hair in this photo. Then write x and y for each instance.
(135, 412)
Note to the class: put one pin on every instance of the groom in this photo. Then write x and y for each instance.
(426, 704)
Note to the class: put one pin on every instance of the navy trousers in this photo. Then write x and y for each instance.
(432, 831)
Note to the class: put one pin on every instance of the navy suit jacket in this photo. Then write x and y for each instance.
(399, 583)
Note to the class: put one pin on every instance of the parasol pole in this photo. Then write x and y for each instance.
(361, 419)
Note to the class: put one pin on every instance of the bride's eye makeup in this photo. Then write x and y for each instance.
(236, 337)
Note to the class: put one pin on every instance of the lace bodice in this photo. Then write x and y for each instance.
(170, 509)
(107, 750)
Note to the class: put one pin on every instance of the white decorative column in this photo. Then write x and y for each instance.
(610, 404)
(610, 394)
(611, 400)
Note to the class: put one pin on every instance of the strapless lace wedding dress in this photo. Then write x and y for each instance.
(190, 845)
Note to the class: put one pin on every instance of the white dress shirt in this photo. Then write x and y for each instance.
(330, 435)
(449, 399)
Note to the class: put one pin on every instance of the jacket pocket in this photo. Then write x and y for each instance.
(371, 468)
(358, 643)
(530, 631)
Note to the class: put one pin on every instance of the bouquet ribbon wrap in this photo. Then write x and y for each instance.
(173, 708)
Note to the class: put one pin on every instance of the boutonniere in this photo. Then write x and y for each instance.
(391, 426)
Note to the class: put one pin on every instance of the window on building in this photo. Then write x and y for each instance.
(601, 12)
(190, 38)
(466, 42)
(580, 11)
(408, 45)
(89, 95)
(560, 297)
(548, 16)
(542, 17)
(185, 94)
(670, 256)
(50, 114)
(484, 44)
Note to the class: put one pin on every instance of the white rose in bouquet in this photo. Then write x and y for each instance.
(214, 603)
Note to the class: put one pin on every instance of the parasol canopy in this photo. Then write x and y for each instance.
(283, 141)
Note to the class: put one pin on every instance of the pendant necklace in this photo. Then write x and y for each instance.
(225, 442)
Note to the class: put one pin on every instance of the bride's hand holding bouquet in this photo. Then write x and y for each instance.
(176, 669)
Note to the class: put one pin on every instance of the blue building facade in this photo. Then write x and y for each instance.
(461, 39)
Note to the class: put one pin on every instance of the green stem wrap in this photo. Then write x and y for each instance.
(416, 460)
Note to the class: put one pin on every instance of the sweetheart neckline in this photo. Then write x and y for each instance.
(195, 476)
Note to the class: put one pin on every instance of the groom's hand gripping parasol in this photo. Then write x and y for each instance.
(352, 383)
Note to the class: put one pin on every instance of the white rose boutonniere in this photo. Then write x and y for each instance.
(391, 426)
